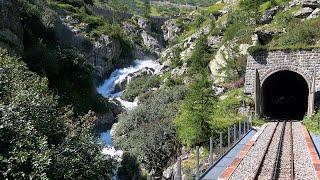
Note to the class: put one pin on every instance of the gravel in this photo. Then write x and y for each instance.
(268, 163)
(303, 167)
(248, 165)
(285, 163)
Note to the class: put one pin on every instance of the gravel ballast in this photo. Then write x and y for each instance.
(248, 165)
(268, 163)
(303, 167)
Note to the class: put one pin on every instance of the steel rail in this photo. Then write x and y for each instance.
(260, 163)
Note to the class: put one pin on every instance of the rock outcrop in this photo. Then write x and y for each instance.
(268, 15)
(171, 29)
(101, 53)
(303, 12)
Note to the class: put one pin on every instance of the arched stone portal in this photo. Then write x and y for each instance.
(284, 95)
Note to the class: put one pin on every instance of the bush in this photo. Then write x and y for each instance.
(147, 131)
(140, 85)
(40, 140)
(225, 111)
(312, 123)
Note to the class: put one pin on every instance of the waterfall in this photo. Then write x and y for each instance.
(108, 90)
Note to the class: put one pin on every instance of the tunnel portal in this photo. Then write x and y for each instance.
(285, 96)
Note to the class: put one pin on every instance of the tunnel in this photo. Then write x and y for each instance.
(285, 96)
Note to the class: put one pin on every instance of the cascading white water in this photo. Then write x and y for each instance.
(107, 89)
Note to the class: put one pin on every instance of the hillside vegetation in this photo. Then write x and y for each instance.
(48, 98)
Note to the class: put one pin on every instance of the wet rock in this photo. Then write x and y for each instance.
(303, 12)
(121, 85)
(104, 121)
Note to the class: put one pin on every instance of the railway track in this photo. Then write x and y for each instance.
(278, 157)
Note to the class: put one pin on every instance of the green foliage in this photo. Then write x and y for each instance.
(140, 85)
(176, 61)
(225, 112)
(193, 122)
(258, 122)
(38, 139)
(283, 19)
(257, 48)
(200, 57)
(129, 168)
(146, 8)
(298, 35)
(147, 131)
(312, 123)
(66, 69)
(214, 9)
(76, 3)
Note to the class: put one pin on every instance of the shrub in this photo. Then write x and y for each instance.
(140, 85)
(225, 111)
(312, 123)
(40, 140)
(147, 131)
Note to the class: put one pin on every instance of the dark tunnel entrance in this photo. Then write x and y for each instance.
(285, 96)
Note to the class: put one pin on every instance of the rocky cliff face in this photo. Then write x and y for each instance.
(102, 53)
(11, 32)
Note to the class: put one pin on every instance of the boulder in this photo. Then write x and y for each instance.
(303, 12)
(144, 24)
(265, 34)
(268, 15)
(121, 85)
(314, 14)
(104, 121)
(214, 41)
(310, 3)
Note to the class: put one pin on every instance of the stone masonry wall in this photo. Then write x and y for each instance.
(267, 63)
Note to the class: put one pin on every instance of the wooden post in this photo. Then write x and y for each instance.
(197, 163)
(229, 140)
(244, 127)
(239, 129)
(179, 174)
(221, 145)
(211, 151)
(234, 133)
